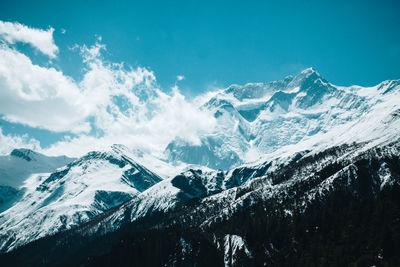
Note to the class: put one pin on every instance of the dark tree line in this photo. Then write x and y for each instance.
(342, 231)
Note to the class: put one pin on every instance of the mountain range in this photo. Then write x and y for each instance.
(297, 172)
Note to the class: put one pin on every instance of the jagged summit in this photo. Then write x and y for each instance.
(24, 153)
(251, 91)
(21, 163)
(119, 147)
(72, 194)
(259, 118)
(306, 79)
(296, 139)
(309, 70)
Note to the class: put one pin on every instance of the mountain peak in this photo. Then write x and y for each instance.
(119, 148)
(309, 71)
(24, 153)
(306, 78)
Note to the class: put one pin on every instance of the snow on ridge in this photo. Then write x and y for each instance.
(261, 118)
(296, 120)
(233, 244)
(73, 194)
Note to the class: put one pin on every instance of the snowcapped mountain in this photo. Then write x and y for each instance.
(380, 137)
(260, 118)
(19, 166)
(72, 194)
(214, 211)
(21, 163)
(282, 148)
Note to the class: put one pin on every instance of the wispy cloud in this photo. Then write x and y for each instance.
(9, 142)
(113, 103)
(38, 38)
(129, 108)
(38, 96)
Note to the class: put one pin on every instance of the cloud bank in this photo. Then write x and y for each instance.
(9, 142)
(39, 39)
(112, 103)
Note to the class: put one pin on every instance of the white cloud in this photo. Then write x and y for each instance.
(122, 104)
(46, 98)
(40, 39)
(180, 77)
(155, 123)
(37, 96)
(9, 142)
(152, 119)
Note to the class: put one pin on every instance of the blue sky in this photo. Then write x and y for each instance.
(217, 43)
(211, 43)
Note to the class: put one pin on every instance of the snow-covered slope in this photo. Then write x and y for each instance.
(19, 166)
(21, 163)
(260, 118)
(307, 138)
(73, 194)
(374, 134)
(206, 199)
(263, 129)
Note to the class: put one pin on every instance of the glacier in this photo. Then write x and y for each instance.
(259, 118)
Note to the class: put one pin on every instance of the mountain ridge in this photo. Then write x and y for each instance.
(274, 190)
(292, 148)
(257, 119)
(72, 194)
